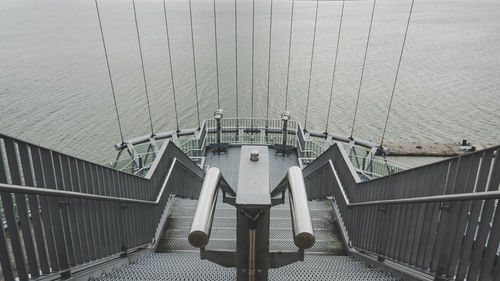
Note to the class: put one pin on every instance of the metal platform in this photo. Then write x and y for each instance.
(229, 164)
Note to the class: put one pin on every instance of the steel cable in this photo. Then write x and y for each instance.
(194, 63)
(289, 53)
(335, 66)
(109, 70)
(397, 72)
(142, 67)
(311, 66)
(236, 53)
(216, 57)
(170, 63)
(269, 61)
(363, 68)
(253, 53)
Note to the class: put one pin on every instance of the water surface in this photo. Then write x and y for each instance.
(54, 89)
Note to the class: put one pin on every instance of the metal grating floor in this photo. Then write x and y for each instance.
(187, 266)
(223, 235)
(176, 259)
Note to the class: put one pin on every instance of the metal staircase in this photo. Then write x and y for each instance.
(176, 259)
(64, 217)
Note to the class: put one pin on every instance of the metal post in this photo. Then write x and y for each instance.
(285, 116)
(218, 116)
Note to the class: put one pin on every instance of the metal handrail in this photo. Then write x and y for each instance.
(203, 216)
(303, 234)
(13, 188)
(424, 199)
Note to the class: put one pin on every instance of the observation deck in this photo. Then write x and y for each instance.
(168, 209)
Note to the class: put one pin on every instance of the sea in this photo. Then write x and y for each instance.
(55, 90)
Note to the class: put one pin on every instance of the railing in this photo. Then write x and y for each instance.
(440, 219)
(71, 211)
(237, 131)
(203, 216)
(303, 235)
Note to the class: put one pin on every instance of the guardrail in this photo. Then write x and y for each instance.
(237, 131)
(440, 218)
(62, 211)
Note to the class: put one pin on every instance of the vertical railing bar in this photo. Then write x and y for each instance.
(78, 179)
(400, 219)
(55, 214)
(451, 218)
(121, 214)
(369, 193)
(7, 269)
(475, 210)
(127, 215)
(34, 208)
(105, 188)
(135, 217)
(484, 222)
(63, 208)
(491, 248)
(439, 188)
(384, 221)
(22, 210)
(411, 213)
(461, 212)
(96, 211)
(90, 222)
(117, 234)
(44, 204)
(423, 221)
(82, 257)
(71, 208)
(444, 215)
(101, 185)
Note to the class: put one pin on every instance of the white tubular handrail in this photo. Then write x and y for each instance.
(303, 234)
(203, 216)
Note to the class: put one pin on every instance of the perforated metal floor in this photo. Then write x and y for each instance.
(176, 259)
(188, 266)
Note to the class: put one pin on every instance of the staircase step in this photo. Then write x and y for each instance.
(189, 267)
(331, 247)
(186, 221)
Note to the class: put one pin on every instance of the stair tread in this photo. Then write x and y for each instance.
(188, 266)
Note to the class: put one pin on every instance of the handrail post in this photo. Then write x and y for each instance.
(285, 116)
(218, 116)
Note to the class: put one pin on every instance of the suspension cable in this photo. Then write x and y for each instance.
(216, 57)
(269, 61)
(289, 52)
(363, 68)
(335, 66)
(109, 70)
(253, 49)
(170, 63)
(311, 66)
(142, 66)
(236, 51)
(194, 63)
(397, 71)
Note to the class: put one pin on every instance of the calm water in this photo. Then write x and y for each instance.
(54, 89)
